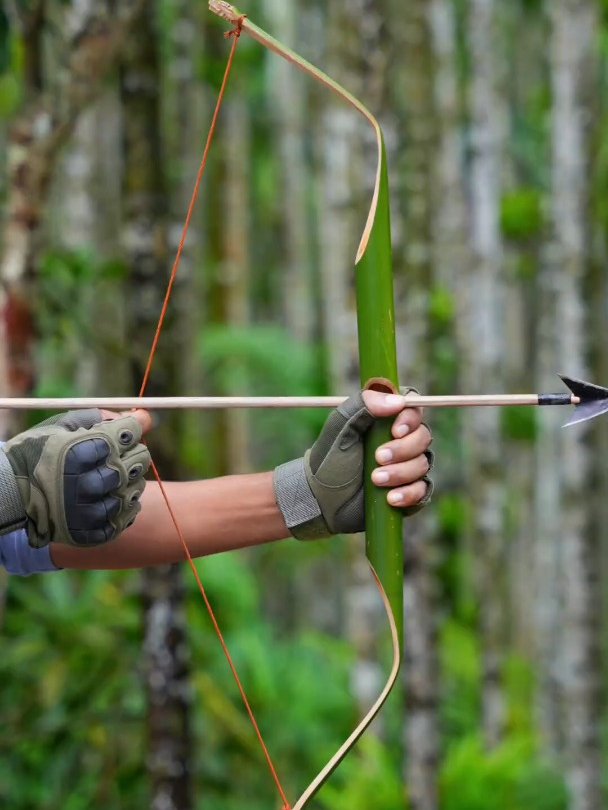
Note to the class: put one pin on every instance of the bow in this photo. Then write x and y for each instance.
(378, 364)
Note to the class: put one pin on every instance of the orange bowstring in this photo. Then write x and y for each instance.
(236, 32)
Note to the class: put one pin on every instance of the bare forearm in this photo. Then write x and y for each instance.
(217, 515)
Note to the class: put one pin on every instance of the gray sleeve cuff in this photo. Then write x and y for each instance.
(12, 513)
(19, 558)
(298, 505)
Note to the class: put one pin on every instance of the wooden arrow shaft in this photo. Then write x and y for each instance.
(217, 403)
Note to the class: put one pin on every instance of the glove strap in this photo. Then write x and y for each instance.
(299, 507)
(12, 513)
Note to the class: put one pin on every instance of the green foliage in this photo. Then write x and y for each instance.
(65, 281)
(514, 775)
(366, 779)
(600, 170)
(10, 94)
(68, 292)
(526, 266)
(265, 360)
(519, 424)
(11, 63)
(452, 515)
(461, 668)
(511, 777)
(533, 6)
(72, 708)
(522, 215)
(4, 40)
(441, 307)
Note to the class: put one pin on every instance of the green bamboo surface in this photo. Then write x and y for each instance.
(378, 358)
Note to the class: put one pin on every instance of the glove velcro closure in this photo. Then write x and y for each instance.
(298, 505)
(12, 512)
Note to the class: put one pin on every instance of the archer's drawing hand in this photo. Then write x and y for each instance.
(75, 479)
(322, 493)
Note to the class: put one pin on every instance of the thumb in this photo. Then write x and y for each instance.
(380, 404)
(143, 417)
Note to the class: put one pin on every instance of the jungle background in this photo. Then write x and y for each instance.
(113, 690)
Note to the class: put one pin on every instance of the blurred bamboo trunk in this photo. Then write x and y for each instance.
(484, 354)
(44, 124)
(574, 71)
(145, 243)
(185, 125)
(235, 266)
(411, 129)
(84, 219)
(228, 253)
(30, 157)
(288, 90)
(525, 34)
(450, 215)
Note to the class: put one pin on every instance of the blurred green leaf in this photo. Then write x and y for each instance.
(522, 215)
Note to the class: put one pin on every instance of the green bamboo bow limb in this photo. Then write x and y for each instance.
(378, 359)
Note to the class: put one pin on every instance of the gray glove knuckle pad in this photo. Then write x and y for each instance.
(124, 433)
(137, 462)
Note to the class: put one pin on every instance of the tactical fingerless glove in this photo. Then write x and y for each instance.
(73, 479)
(323, 493)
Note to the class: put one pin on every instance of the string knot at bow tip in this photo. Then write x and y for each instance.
(236, 32)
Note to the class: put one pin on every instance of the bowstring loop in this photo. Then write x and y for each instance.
(236, 32)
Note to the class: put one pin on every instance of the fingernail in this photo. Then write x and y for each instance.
(379, 477)
(402, 431)
(393, 400)
(395, 498)
(384, 456)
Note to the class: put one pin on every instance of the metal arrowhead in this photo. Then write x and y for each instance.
(593, 400)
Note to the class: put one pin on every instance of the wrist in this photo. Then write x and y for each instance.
(297, 503)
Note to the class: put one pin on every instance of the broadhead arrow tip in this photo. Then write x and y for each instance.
(593, 400)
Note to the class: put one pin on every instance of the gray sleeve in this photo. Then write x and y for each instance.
(18, 557)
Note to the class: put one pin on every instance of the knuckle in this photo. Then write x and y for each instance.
(411, 495)
(413, 416)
